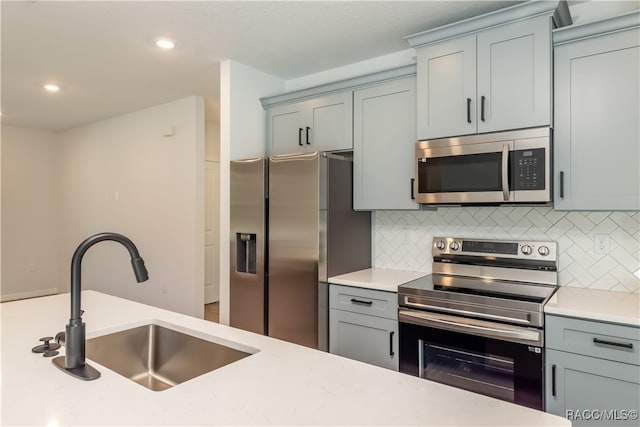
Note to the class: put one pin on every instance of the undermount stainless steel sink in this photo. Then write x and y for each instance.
(158, 357)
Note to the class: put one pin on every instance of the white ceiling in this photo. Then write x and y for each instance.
(102, 53)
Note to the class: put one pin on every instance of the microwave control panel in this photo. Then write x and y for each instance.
(528, 168)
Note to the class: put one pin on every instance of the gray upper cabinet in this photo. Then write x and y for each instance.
(324, 123)
(285, 126)
(487, 74)
(374, 115)
(447, 88)
(384, 134)
(514, 76)
(597, 110)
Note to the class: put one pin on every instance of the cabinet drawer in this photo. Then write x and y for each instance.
(590, 338)
(364, 301)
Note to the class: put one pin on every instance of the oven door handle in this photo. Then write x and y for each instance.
(505, 172)
(472, 326)
(526, 321)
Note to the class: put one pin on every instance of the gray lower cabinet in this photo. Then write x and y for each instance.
(384, 135)
(363, 325)
(592, 371)
(596, 109)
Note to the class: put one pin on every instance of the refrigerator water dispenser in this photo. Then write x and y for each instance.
(246, 253)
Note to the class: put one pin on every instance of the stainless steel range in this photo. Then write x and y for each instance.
(477, 321)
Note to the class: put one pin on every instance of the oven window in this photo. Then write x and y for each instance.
(488, 374)
(501, 369)
(462, 173)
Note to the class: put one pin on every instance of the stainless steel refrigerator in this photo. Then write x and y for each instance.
(292, 227)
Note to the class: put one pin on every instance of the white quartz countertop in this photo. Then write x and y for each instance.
(592, 304)
(281, 384)
(377, 278)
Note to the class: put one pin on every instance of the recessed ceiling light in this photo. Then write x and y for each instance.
(165, 43)
(51, 87)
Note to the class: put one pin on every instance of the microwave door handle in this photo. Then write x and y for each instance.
(505, 171)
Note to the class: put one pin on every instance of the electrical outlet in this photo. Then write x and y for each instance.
(164, 287)
(408, 236)
(601, 244)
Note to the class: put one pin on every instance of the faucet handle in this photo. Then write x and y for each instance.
(60, 337)
(46, 347)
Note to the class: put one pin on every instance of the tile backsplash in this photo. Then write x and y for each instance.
(402, 239)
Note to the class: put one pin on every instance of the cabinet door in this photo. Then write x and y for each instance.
(596, 136)
(285, 129)
(384, 136)
(329, 122)
(591, 391)
(365, 338)
(447, 88)
(514, 76)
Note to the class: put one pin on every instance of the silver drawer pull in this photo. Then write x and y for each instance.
(613, 343)
(359, 301)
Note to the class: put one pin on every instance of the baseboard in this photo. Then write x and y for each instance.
(28, 294)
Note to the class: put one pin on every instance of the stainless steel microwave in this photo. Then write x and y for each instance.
(505, 167)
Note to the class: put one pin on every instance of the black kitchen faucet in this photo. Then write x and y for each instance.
(74, 360)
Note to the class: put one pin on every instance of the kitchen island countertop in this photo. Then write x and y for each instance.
(281, 384)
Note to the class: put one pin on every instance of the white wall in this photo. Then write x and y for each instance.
(126, 175)
(212, 212)
(588, 11)
(248, 125)
(242, 135)
(29, 217)
(369, 66)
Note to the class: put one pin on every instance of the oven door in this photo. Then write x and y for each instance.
(473, 173)
(497, 360)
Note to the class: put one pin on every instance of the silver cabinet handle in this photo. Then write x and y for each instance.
(505, 171)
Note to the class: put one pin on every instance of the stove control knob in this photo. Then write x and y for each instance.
(526, 250)
(454, 246)
(543, 250)
(440, 245)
